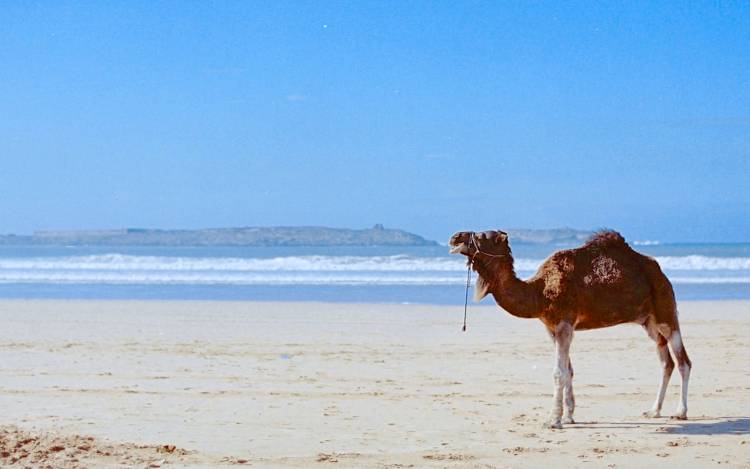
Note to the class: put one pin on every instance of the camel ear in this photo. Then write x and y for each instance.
(502, 238)
(481, 289)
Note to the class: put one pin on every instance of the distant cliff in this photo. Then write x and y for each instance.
(270, 236)
(252, 236)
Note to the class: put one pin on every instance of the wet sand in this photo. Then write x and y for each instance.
(213, 384)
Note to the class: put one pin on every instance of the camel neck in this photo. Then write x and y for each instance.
(518, 297)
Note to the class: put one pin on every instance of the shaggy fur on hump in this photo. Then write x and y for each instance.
(605, 238)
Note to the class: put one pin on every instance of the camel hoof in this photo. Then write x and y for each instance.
(680, 415)
(568, 420)
(652, 414)
(554, 424)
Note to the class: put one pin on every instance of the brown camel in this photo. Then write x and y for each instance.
(600, 284)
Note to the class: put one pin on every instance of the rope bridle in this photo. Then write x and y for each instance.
(469, 263)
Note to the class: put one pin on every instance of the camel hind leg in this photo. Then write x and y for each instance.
(663, 321)
(684, 365)
(667, 365)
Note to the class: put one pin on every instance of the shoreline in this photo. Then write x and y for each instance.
(293, 384)
(483, 304)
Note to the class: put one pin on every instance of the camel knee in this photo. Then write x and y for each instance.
(684, 365)
(665, 358)
(678, 348)
(668, 365)
(686, 361)
(562, 376)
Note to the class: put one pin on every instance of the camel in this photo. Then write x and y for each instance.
(600, 284)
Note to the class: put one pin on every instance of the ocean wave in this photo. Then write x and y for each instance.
(697, 262)
(711, 280)
(269, 278)
(265, 278)
(107, 262)
(646, 242)
(318, 263)
(114, 268)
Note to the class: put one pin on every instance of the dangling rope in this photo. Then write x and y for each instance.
(466, 300)
(469, 263)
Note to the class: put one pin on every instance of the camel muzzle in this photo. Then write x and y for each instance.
(460, 243)
(457, 249)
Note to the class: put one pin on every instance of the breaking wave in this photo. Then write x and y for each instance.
(115, 262)
(696, 262)
(319, 263)
(310, 270)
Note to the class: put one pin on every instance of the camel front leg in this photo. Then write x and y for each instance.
(667, 365)
(563, 337)
(570, 399)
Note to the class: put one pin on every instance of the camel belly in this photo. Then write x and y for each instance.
(586, 322)
(609, 306)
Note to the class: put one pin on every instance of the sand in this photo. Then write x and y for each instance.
(227, 384)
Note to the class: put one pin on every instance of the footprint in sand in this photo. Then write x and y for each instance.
(448, 457)
(521, 450)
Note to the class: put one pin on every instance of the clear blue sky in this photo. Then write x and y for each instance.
(429, 116)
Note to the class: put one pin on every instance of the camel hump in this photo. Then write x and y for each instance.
(606, 238)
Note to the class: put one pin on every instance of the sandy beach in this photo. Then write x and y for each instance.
(214, 384)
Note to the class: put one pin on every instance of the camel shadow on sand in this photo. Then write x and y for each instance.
(700, 426)
(724, 426)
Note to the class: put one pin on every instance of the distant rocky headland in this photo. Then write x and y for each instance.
(251, 236)
(378, 235)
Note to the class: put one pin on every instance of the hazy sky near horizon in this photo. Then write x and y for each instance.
(427, 116)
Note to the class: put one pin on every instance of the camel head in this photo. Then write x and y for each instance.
(493, 243)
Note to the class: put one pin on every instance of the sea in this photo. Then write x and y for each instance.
(401, 275)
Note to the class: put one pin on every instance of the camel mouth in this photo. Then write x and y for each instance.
(460, 243)
(457, 249)
(461, 248)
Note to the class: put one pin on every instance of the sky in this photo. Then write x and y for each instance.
(432, 117)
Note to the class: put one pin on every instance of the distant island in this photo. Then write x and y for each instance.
(378, 235)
